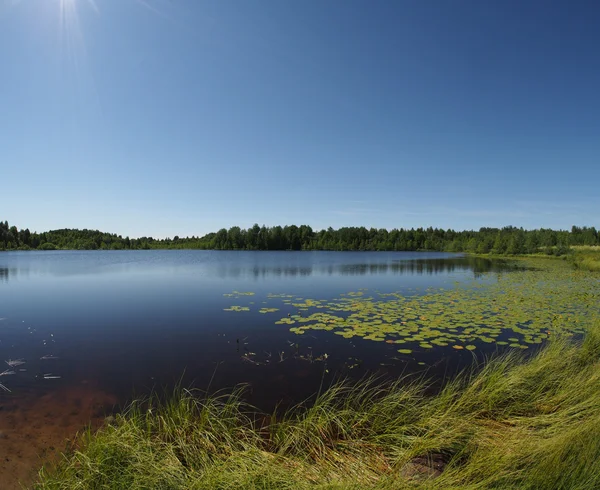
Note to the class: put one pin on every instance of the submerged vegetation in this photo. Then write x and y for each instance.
(514, 421)
(508, 240)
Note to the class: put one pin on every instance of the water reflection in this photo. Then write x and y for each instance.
(264, 271)
(477, 265)
(242, 264)
(4, 273)
(239, 265)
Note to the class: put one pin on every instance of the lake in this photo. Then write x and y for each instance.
(131, 321)
(85, 331)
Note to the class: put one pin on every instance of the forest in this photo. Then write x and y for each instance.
(506, 241)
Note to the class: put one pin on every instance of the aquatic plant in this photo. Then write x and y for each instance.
(237, 308)
(268, 310)
(237, 294)
(517, 309)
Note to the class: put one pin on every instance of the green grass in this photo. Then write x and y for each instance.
(586, 258)
(514, 423)
(581, 257)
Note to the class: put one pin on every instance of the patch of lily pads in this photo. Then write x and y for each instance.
(517, 309)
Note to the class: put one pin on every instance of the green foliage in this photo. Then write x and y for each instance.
(505, 241)
(47, 246)
(586, 258)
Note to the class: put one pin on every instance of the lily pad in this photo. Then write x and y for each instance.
(237, 308)
(268, 310)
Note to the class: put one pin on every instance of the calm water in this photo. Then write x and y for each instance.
(134, 320)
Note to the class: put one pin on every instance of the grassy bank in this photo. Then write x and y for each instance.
(586, 258)
(515, 424)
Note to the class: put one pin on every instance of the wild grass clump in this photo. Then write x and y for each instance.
(514, 423)
(586, 258)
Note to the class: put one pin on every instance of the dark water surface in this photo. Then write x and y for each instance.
(128, 321)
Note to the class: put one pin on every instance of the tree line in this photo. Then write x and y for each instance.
(508, 240)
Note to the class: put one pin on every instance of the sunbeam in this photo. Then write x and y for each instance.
(94, 5)
(75, 68)
(145, 4)
(76, 72)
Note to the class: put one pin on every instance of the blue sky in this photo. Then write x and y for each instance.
(179, 117)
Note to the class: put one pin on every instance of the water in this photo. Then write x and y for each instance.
(126, 322)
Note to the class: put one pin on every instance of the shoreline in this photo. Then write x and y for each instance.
(514, 414)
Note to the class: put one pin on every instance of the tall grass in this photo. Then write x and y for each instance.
(515, 423)
(586, 258)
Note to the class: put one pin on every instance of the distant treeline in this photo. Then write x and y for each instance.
(508, 240)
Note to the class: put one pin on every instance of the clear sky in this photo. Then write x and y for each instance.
(165, 117)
